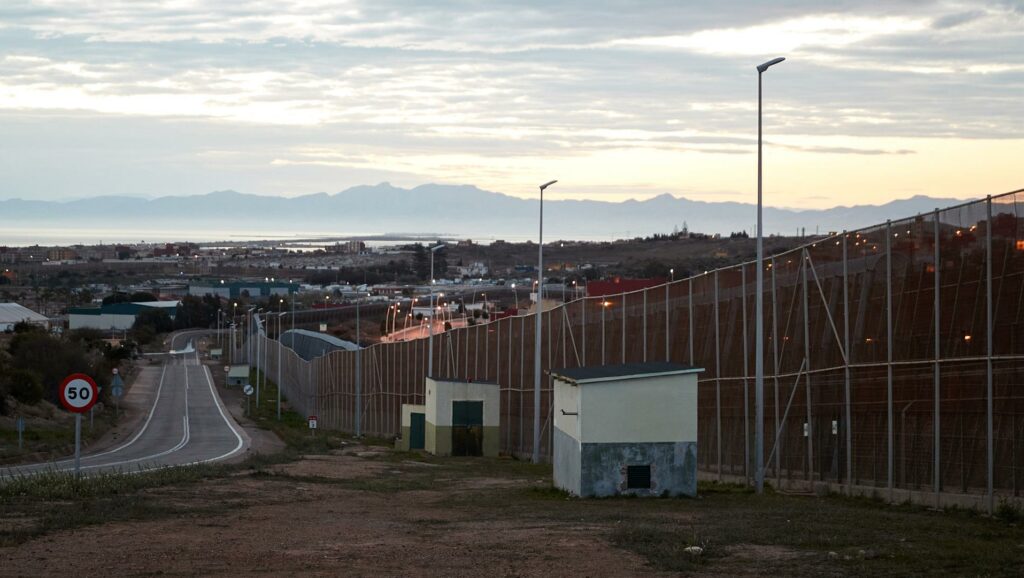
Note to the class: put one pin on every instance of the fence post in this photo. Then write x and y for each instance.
(668, 334)
(644, 326)
(689, 303)
(603, 348)
(888, 365)
(746, 384)
(936, 376)
(718, 383)
(623, 326)
(807, 376)
(988, 352)
(775, 379)
(846, 369)
(583, 330)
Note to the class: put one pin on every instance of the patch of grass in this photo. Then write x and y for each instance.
(35, 505)
(1008, 512)
(53, 439)
(547, 492)
(293, 428)
(663, 548)
(705, 487)
(64, 485)
(385, 484)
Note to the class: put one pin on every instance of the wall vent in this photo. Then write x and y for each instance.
(638, 477)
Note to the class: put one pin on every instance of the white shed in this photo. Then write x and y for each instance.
(626, 429)
(462, 417)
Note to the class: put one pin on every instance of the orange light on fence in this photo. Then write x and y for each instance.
(1020, 245)
(967, 337)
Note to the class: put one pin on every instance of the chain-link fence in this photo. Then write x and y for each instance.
(894, 358)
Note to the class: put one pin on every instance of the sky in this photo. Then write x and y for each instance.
(616, 100)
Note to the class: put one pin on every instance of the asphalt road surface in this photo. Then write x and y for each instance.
(186, 423)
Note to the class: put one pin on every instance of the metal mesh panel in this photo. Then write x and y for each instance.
(851, 364)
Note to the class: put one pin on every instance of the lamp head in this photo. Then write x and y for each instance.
(547, 184)
(762, 67)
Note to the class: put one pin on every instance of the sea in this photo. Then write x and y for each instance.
(14, 236)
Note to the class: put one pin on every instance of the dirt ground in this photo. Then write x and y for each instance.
(366, 510)
(313, 517)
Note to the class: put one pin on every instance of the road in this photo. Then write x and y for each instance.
(186, 423)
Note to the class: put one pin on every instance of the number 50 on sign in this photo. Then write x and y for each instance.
(78, 393)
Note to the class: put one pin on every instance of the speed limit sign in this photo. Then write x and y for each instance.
(78, 393)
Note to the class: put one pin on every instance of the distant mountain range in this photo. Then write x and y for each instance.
(443, 210)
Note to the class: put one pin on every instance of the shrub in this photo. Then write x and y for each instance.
(25, 386)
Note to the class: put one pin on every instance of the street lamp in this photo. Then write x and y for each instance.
(430, 325)
(359, 375)
(536, 341)
(759, 308)
(280, 351)
(516, 297)
(672, 272)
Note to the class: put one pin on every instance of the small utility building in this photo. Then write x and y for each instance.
(626, 429)
(413, 428)
(462, 417)
(238, 375)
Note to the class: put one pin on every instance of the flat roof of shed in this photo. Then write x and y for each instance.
(457, 380)
(239, 371)
(600, 373)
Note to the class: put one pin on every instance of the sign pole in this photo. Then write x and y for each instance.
(78, 444)
(78, 393)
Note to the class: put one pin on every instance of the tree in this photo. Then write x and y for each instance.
(52, 359)
(196, 312)
(153, 320)
(116, 298)
(440, 262)
(421, 262)
(25, 386)
(141, 297)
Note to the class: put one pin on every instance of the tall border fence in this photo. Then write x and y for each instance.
(894, 359)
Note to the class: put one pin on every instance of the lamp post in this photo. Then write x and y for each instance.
(536, 341)
(259, 369)
(516, 297)
(430, 324)
(248, 331)
(359, 374)
(280, 351)
(759, 308)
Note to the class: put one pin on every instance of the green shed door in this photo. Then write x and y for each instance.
(417, 431)
(467, 428)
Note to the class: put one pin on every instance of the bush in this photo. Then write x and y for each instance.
(25, 386)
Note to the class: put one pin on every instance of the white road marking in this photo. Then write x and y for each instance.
(220, 408)
(186, 435)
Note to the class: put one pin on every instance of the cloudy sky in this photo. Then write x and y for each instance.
(877, 100)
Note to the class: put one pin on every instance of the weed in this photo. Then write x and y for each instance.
(1008, 512)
